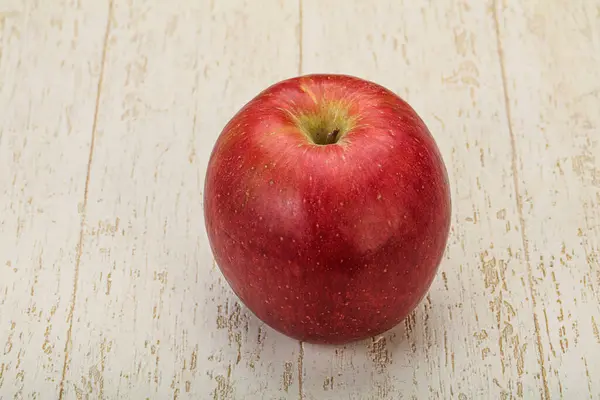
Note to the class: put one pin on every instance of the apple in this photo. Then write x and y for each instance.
(327, 207)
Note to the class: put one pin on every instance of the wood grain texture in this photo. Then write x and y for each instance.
(110, 109)
(552, 83)
(49, 65)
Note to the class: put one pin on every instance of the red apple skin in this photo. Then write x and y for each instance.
(328, 243)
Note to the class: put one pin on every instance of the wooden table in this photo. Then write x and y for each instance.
(109, 110)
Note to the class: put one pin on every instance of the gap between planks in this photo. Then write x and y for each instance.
(300, 56)
(68, 340)
(518, 198)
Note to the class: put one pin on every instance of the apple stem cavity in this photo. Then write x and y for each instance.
(326, 125)
(332, 136)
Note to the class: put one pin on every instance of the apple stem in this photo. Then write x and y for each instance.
(332, 136)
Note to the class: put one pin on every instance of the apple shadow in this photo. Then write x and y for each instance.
(264, 362)
(381, 366)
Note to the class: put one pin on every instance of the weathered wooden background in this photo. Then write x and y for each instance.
(108, 113)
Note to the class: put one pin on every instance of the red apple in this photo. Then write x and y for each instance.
(327, 207)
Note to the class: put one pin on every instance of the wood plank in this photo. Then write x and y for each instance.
(153, 316)
(551, 57)
(473, 337)
(49, 65)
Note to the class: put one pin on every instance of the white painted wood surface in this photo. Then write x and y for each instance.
(109, 110)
